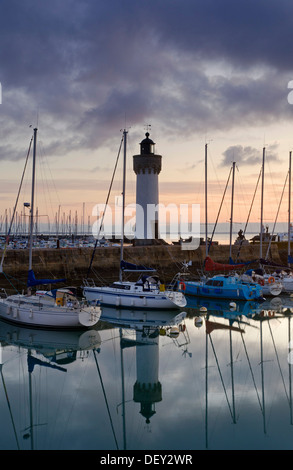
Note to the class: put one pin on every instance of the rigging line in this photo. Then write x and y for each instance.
(15, 206)
(271, 237)
(45, 190)
(249, 213)
(46, 164)
(10, 282)
(216, 176)
(111, 422)
(10, 411)
(239, 184)
(221, 377)
(106, 203)
(278, 361)
(211, 239)
(251, 371)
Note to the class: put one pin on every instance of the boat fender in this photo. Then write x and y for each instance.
(174, 332)
(203, 309)
(198, 321)
(271, 280)
(182, 285)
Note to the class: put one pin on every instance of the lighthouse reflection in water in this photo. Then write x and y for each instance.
(214, 376)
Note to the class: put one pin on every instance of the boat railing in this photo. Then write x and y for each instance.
(173, 285)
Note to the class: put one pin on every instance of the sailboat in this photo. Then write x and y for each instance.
(273, 283)
(147, 292)
(58, 308)
(221, 286)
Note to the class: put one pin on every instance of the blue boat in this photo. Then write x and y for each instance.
(223, 287)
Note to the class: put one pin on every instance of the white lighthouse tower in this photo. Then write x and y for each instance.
(147, 389)
(147, 166)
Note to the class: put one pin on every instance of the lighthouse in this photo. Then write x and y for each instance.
(147, 166)
(147, 389)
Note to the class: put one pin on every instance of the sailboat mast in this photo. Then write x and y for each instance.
(262, 194)
(289, 209)
(206, 198)
(123, 202)
(232, 203)
(32, 200)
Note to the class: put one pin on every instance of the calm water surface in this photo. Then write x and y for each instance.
(220, 380)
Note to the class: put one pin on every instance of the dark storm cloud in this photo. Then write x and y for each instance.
(249, 155)
(246, 32)
(88, 68)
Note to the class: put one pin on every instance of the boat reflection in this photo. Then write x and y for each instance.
(49, 343)
(226, 317)
(138, 329)
(218, 364)
(46, 349)
(224, 308)
(147, 327)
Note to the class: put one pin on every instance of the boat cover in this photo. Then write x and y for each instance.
(32, 281)
(210, 265)
(129, 267)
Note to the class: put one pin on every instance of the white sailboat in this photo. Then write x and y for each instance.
(57, 309)
(147, 292)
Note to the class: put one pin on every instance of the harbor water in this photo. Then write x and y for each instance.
(214, 376)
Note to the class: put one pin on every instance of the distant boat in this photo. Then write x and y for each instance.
(147, 292)
(57, 309)
(223, 287)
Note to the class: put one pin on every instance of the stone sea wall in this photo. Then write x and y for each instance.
(73, 263)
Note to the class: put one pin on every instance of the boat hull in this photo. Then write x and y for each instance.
(48, 317)
(153, 300)
(229, 292)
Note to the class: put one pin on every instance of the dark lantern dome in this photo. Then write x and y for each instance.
(147, 146)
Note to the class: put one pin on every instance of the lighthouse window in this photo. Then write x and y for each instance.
(147, 148)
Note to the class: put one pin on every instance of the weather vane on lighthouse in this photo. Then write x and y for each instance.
(148, 127)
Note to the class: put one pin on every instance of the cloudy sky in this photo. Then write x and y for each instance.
(198, 71)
